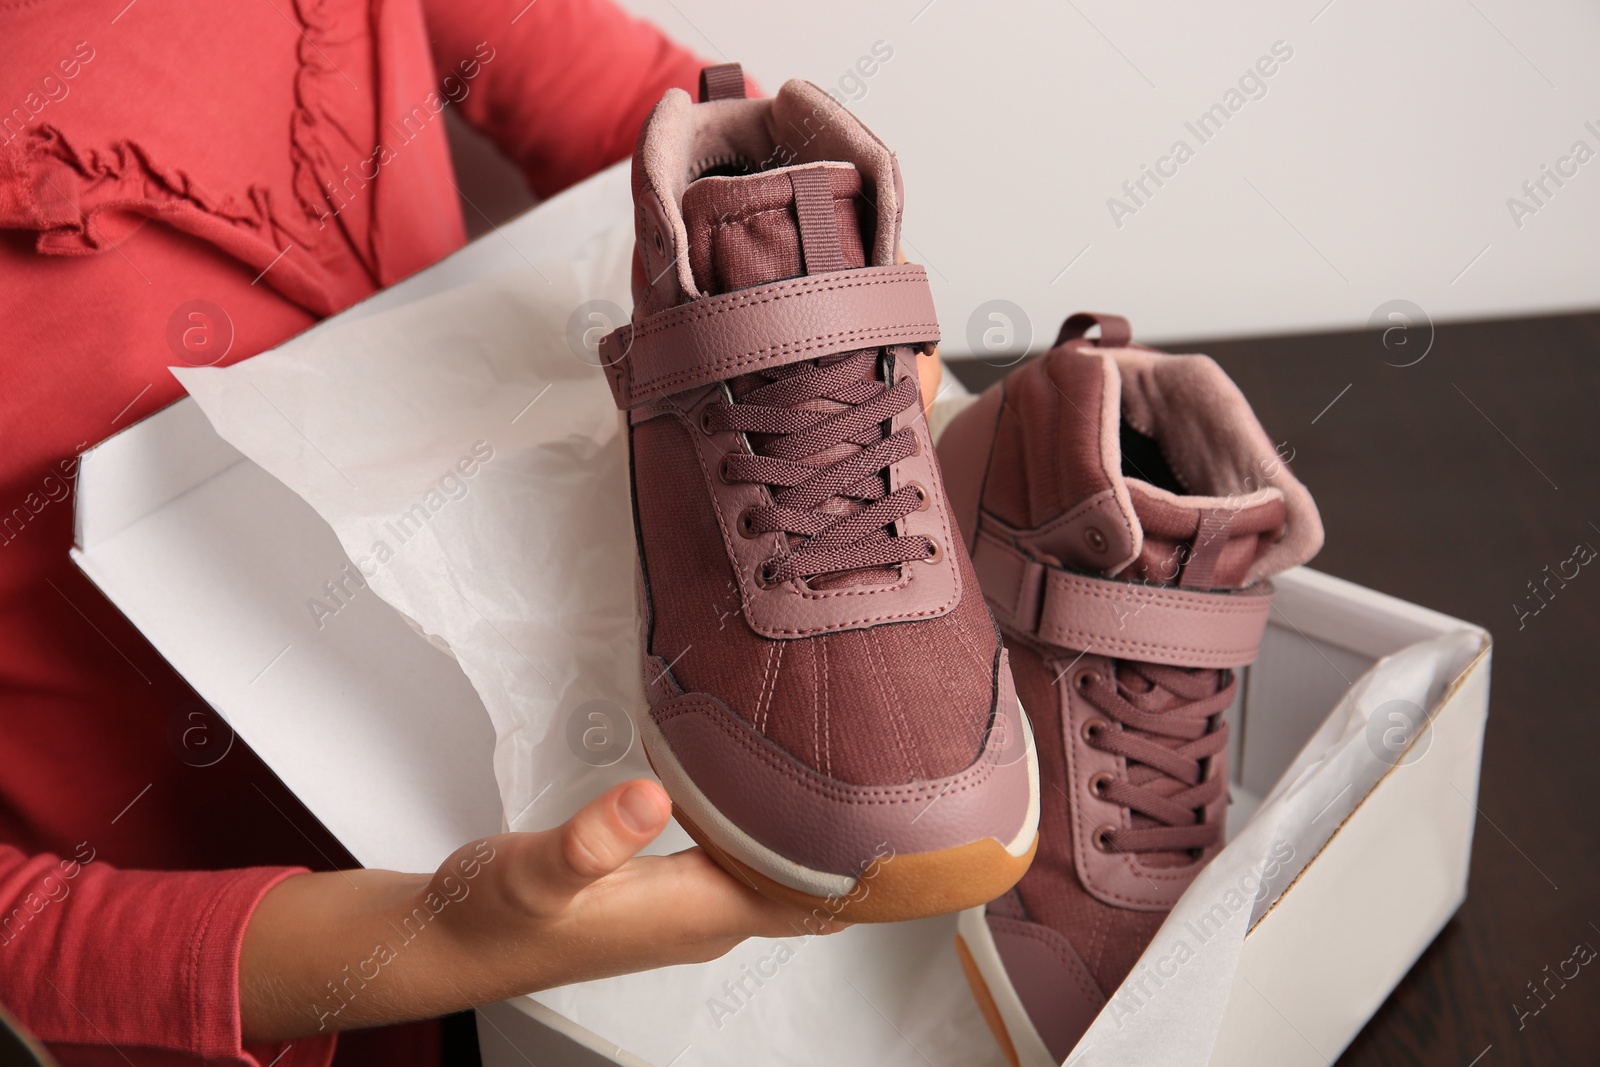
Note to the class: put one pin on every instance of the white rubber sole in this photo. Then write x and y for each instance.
(727, 836)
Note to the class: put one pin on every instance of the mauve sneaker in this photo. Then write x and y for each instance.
(830, 707)
(1124, 510)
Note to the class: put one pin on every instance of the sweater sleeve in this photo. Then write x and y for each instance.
(144, 962)
(561, 86)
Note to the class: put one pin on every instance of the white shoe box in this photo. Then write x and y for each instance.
(388, 744)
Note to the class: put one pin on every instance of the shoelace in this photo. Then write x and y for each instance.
(854, 406)
(1133, 699)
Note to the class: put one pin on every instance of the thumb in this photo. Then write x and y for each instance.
(601, 837)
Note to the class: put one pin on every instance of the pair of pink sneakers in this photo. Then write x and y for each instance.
(832, 709)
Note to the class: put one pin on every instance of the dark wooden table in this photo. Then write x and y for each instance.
(1453, 483)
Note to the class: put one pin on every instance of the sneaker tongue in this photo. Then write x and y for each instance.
(750, 229)
(745, 230)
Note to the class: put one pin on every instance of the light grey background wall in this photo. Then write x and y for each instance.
(1375, 163)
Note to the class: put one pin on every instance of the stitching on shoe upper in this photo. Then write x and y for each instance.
(896, 708)
(1224, 603)
(971, 778)
(745, 214)
(1134, 648)
(900, 274)
(766, 294)
(1065, 519)
(821, 648)
(816, 713)
(1047, 937)
(767, 677)
(1110, 368)
(1138, 646)
(856, 338)
(1016, 605)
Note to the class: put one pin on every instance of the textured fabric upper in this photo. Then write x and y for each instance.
(1046, 456)
(742, 228)
(882, 705)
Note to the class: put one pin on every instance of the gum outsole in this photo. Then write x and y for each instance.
(897, 888)
(985, 999)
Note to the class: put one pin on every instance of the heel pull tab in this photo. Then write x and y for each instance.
(820, 247)
(1114, 330)
(725, 81)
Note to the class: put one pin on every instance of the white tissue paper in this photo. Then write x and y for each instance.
(470, 462)
(1169, 1009)
(467, 453)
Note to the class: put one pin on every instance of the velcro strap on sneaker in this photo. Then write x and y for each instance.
(1124, 620)
(718, 337)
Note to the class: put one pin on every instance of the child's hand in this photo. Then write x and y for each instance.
(502, 916)
(575, 903)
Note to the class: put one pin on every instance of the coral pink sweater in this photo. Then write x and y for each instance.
(197, 182)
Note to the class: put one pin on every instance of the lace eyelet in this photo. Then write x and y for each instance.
(1102, 838)
(1091, 727)
(763, 576)
(705, 421)
(722, 471)
(1095, 539)
(659, 242)
(924, 502)
(746, 525)
(936, 555)
(1085, 678)
(1099, 784)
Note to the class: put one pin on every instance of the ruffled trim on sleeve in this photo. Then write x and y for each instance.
(83, 199)
(333, 128)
